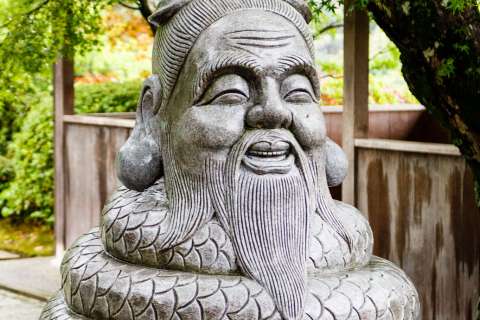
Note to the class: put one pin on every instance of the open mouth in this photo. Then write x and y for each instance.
(268, 157)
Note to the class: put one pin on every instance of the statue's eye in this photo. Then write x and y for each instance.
(230, 97)
(298, 89)
(299, 96)
(230, 89)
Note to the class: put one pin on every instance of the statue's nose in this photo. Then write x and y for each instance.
(270, 114)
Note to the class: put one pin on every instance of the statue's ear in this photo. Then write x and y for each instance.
(336, 166)
(139, 161)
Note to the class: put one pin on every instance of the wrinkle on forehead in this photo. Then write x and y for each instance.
(263, 42)
(261, 38)
(254, 31)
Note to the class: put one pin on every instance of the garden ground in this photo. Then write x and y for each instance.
(25, 286)
(26, 239)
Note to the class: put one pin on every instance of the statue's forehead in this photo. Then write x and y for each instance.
(257, 33)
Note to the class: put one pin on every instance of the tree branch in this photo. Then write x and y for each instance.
(379, 52)
(123, 4)
(331, 76)
(333, 25)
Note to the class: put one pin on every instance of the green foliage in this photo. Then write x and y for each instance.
(446, 69)
(386, 83)
(32, 35)
(107, 97)
(6, 172)
(321, 6)
(29, 192)
(460, 5)
(318, 7)
(386, 59)
(325, 19)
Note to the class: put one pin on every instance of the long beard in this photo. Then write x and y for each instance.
(268, 220)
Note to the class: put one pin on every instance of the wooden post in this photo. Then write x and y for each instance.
(64, 103)
(355, 106)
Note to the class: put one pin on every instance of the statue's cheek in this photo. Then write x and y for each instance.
(207, 131)
(309, 125)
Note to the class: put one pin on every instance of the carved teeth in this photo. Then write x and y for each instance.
(269, 149)
(268, 153)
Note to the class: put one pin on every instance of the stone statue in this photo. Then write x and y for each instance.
(225, 211)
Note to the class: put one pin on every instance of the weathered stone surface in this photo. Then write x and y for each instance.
(226, 211)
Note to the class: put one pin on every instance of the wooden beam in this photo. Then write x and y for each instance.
(64, 103)
(408, 147)
(355, 114)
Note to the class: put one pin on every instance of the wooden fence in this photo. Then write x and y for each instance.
(90, 178)
(420, 203)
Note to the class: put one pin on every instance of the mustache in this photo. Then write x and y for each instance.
(272, 136)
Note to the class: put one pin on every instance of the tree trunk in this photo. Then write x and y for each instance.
(440, 52)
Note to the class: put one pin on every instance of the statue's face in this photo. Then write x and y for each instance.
(250, 70)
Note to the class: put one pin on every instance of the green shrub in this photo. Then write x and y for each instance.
(6, 172)
(13, 108)
(30, 191)
(107, 97)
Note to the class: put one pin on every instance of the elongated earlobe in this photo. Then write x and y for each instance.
(139, 161)
(337, 164)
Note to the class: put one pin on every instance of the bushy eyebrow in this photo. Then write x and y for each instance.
(297, 64)
(210, 70)
(284, 66)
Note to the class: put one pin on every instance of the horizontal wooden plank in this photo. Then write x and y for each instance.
(99, 121)
(379, 108)
(123, 115)
(408, 146)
